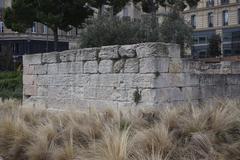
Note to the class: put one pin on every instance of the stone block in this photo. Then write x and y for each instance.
(28, 69)
(89, 92)
(109, 52)
(44, 80)
(42, 90)
(175, 66)
(53, 68)
(233, 79)
(87, 54)
(68, 56)
(70, 67)
(118, 66)
(40, 69)
(106, 66)
(78, 93)
(235, 67)
(62, 80)
(52, 57)
(30, 90)
(128, 51)
(153, 65)
(152, 49)
(206, 80)
(32, 59)
(80, 80)
(60, 92)
(91, 67)
(29, 79)
(107, 80)
(131, 65)
(174, 50)
(99, 104)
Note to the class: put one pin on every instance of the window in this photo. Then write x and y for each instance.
(125, 12)
(223, 2)
(225, 18)
(1, 27)
(202, 40)
(239, 16)
(34, 27)
(193, 21)
(45, 29)
(210, 19)
(210, 3)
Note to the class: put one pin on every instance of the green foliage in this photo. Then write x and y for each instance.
(56, 14)
(137, 96)
(175, 30)
(111, 31)
(214, 48)
(10, 85)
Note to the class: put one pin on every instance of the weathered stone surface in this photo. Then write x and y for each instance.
(52, 57)
(131, 65)
(29, 79)
(91, 67)
(30, 90)
(40, 69)
(128, 51)
(152, 49)
(28, 69)
(119, 66)
(153, 65)
(32, 59)
(106, 66)
(68, 56)
(111, 78)
(109, 52)
(88, 54)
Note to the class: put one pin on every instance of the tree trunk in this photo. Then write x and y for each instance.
(55, 33)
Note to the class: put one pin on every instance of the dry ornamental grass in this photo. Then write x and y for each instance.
(179, 133)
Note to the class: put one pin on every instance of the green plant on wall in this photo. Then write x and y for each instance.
(137, 96)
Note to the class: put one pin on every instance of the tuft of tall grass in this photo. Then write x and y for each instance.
(178, 133)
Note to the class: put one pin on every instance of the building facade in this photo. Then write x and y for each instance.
(210, 17)
(37, 39)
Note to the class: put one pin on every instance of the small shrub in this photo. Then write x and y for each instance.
(114, 31)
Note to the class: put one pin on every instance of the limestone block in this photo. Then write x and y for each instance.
(91, 67)
(109, 52)
(78, 93)
(62, 80)
(44, 79)
(174, 50)
(70, 67)
(68, 56)
(175, 66)
(102, 104)
(107, 80)
(40, 69)
(32, 59)
(106, 66)
(29, 79)
(235, 67)
(212, 80)
(60, 92)
(212, 91)
(233, 79)
(153, 65)
(232, 91)
(87, 54)
(121, 95)
(28, 69)
(52, 57)
(53, 68)
(131, 65)
(128, 51)
(104, 93)
(42, 90)
(191, 66)
(80, 80)
(119, 66)
(140, 81)
(30, 90)
(169, 80)
(152, 49)
(89, 92)
(225, 67)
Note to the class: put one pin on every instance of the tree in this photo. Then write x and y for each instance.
(116, 5)
(56, 14)
(174, 30)
(214, 48)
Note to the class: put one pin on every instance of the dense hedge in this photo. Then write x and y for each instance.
(10, 85)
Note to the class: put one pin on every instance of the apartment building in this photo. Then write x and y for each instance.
(37, 39)
(211, 17)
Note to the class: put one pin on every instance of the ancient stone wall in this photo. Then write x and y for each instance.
(148, 74)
